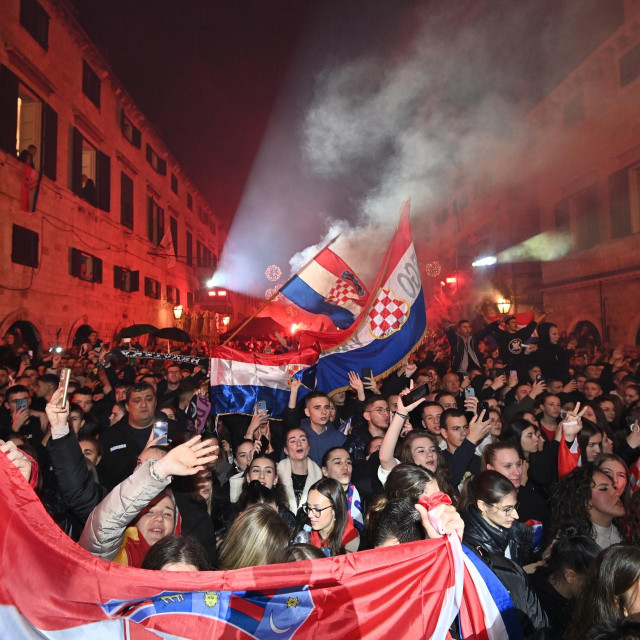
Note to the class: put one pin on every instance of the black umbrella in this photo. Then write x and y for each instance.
(172, 333)
(136, 330)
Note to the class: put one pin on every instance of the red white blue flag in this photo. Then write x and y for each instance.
(239, 379)
(390, 326)
(328, 286)
(52, 588)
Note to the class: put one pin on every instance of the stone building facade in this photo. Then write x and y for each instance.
(565, 227)
(107, 229)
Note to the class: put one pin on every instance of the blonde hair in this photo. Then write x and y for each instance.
(258, 536)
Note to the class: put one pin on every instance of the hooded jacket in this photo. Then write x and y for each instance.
(490, 543)
(551, 358)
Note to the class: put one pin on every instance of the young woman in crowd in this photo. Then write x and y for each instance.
(558, 582)
(611, 591)
(297, 472)
(504, 458)
(418, 447)
(258, 536)
(327, 513)
(140, 511)
(615, 467)
(489, 508)
(337, 464)
(262, 469)
(587, 501)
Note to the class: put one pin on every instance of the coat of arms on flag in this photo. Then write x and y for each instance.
(387, 314)
(346, 289)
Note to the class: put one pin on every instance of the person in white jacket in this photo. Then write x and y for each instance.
(143, 501)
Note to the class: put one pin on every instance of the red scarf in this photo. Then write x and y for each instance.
(350, 533)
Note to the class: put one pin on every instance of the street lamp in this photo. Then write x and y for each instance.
(504, 305)
(177, 311)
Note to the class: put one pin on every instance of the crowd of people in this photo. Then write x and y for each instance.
(535, 444)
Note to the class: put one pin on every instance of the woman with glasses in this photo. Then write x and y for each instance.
(489, 509)
(327, 513)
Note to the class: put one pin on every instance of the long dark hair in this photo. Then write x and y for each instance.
(513, 431)
(606, 592)
(255, 493)
(333, 491)
(571, 550)
(176, 549)
(569, 502)
(277, 489)
(404, 481)
(488, 486)
(442, 472)
(589, 429)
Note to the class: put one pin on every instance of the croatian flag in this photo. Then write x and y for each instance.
(328, 286)
(390, 326)
(239, 379)
(52, 588)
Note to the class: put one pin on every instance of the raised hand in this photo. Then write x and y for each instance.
(538, 387)
(188, 458)
(355, 382)
(572, 422)
(56, 414)
(17, 458)
(410, 407)
(479, 428)
(471, 404)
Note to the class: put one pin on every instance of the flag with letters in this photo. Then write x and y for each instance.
(390, 326)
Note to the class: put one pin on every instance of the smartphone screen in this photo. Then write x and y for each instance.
(160, 429)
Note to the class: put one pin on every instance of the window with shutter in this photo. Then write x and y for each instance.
(85, 266)
(90, 84)
(24, 246)
(158, 164)
(130, 132)
(189, 249)
(36, 21)
(126, 201)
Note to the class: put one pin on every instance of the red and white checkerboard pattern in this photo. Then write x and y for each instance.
(341, 292)
(387, 315)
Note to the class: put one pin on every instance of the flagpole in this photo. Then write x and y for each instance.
(276, 294)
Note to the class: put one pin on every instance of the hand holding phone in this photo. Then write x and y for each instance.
(160, 429)
(415, 394)
(65, 376)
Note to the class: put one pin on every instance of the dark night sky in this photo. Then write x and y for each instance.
(207, 72)
(228, 83)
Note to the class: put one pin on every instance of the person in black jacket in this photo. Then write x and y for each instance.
(462, 438)
(464, 345)
(489, 510)
(558, 582)
(122, 443)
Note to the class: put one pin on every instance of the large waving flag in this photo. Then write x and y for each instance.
(239, 379)
(390, 326)
(52, 588)
(327, 285)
